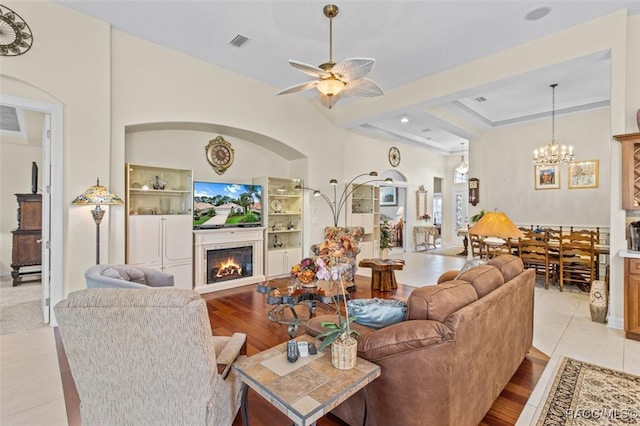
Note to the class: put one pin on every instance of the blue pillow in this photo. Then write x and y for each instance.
(377, 313)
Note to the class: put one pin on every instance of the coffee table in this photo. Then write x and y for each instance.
(304, 390)
(382, 276)
(285, 299)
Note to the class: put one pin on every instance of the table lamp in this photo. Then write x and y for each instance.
(496, 226)
(97, 195)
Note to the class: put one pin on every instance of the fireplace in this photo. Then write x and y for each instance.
(229, 264)
(227, 258)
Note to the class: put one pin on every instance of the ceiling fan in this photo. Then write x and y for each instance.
(334, 80)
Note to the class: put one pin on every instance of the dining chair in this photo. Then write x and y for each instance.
(478, 247)
(533, 249)
(577, 260)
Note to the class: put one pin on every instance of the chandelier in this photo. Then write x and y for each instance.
(553, 154)
(462, 167)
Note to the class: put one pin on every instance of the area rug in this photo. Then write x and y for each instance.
(20, 308)
(587, 394)
(444, 251)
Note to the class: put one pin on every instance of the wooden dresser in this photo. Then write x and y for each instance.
(27, 238)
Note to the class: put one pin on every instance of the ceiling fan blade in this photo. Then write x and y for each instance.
(298, 87)
(353, 68)
(362, 87)
(312, 70)
(329, 101)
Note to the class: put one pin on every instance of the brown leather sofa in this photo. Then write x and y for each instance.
(447, 363)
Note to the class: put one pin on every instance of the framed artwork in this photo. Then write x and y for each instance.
(388, 196)
(547, 177)
(584, 174)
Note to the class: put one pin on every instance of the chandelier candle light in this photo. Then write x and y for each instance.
(337, 204)
(553, 154)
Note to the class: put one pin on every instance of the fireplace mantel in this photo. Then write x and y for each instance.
(215, 239)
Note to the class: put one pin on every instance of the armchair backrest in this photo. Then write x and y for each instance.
(140, 356)
(349, 238)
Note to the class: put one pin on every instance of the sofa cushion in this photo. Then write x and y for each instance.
(437, 302)
(469, 264)
(125, 273)
(509, 265)
(483, 278)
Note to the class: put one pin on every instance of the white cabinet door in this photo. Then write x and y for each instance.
(275, 263)
(364, 220)
(280, 262)
(178, 238)
(182, 274)
(145, 240)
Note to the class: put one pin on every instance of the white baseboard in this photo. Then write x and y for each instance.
(615, 322)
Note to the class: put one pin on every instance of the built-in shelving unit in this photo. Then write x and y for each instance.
(159, 225)
(283, 218)
(364, 211)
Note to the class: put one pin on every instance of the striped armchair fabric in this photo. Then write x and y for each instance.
(148, 357)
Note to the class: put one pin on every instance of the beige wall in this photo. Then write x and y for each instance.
(107, 80)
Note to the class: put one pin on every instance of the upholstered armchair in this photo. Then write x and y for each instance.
(126, 276)
(346, 240)
(147, 357)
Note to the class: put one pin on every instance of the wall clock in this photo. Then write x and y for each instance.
(394, 156)
(474, 191)
(219, 154)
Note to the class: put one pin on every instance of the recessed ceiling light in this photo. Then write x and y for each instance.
(538, 13)
(404, 119)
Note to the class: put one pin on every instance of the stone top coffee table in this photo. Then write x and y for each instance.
(304, 390)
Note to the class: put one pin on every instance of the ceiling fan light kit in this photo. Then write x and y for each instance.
(335, 79)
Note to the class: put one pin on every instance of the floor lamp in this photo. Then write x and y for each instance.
(97, 195)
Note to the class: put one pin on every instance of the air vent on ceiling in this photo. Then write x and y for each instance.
(239, 41)
(426, 130)
(9, 119)
(481, 99)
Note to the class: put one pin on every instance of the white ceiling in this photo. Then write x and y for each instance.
(408, 39)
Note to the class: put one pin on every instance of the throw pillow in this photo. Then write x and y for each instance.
(377, 313)
(125, 273)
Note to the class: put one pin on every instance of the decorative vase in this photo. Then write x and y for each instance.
(385, 254)
(344, 354)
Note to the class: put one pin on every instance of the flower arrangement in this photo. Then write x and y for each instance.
(385, 235)
(425, 216)
(305, 271)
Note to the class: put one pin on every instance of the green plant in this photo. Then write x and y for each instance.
(385, 235)
(340, 331)
(477, 217)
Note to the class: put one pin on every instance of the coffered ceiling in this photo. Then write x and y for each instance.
(408, 39)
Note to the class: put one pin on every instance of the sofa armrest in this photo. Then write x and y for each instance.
(155, 278)
(403, 337)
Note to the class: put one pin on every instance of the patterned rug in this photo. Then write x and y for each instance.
(587, 394)
(444, 251)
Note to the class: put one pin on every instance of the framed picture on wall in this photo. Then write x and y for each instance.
(584, 174)
(547, 177)
(388, 196)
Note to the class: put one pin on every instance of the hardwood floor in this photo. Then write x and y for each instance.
(245, 310)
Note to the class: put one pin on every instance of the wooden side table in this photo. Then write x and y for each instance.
(382, 276)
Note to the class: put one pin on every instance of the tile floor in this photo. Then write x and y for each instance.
(31, 389)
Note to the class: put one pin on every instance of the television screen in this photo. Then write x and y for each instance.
(217, 205)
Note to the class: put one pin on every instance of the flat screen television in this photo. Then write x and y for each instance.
(220, 205)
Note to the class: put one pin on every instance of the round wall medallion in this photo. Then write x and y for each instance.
(15, 34)
(219, 154)
(394, 156)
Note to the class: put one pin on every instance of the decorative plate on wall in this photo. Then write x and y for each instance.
(15, 34)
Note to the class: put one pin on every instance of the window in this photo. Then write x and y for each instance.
(437, 208)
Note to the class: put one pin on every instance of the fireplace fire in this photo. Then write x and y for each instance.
(229, 264)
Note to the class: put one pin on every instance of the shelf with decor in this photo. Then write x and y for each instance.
(283, 219)
(159, 224)
(364, 211)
